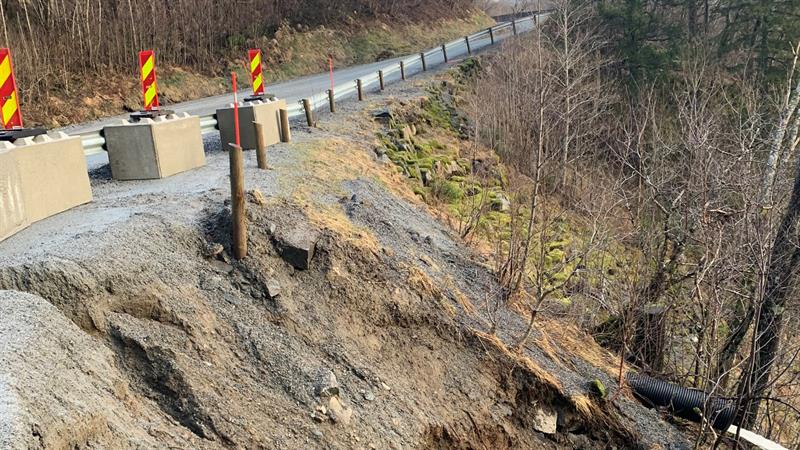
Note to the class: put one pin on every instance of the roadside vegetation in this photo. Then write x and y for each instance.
(642, 184)
(76, 61)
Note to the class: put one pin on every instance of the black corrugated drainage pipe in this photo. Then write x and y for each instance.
(690, 404)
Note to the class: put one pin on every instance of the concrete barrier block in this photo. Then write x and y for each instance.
(151, 149)
(265, 113)
(53, 175)
(12, 206)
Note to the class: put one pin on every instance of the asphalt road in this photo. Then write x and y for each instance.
(295, 90)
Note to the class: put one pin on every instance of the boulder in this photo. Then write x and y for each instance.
(297, 246)
(501, 204)
(255, 196)
(338, 412)
(545, 420)
(273, 288)
(326, 385)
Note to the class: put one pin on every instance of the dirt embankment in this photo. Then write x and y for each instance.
(125, 325)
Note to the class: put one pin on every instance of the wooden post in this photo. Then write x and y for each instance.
(360, 90)
(469, 49)
(491, 34)
(444, 52)
(514, 26)
(309, 112)
(380, 78)
(331, 101)
(286, 132)
(261, 148)
(402, 70)
(424, 66)
(239, 223)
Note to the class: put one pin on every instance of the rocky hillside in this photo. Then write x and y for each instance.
(358, 319)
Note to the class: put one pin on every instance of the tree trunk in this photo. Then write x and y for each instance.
(781, 277)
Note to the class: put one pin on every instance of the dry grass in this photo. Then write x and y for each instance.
(322, 172)
(537, 371)
(573, 341)
(464, 301)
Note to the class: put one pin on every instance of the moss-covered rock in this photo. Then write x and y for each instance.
(446, 191)
(598, 388)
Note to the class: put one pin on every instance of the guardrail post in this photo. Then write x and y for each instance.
(444, 52)
(286, 132)
(469, 49)
(360, 90)
(261, 148)
(402, 70)
(331, 100)
(491, 34)
(514, 26)
(239, 225)
(309, 112)
(380, 78)
(424, 66)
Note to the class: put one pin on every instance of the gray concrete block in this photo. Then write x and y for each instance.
(53, 174)
(151, 149)
(266, 113)
(40, 177)
(12, 206)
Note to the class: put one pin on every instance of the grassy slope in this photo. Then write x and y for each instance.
(291, 53)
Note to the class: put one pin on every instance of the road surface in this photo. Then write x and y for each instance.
(295, 90)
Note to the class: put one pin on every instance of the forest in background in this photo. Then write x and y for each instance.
(72, 49)
(654, 190)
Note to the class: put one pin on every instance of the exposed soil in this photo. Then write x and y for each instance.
(124, 326)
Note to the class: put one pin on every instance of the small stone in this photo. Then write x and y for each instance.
(369, 396)
(271, 227)
(598, 388)
(213, 250)
(385, 387)
(273, 288)
(221, 267)
(317, 434)
(297, 247)
(326, 384)
(501, 204)
(384, 114)
(472, 191)
(427, 177)
(255, 196)
(453, 169)
(338, 412)
(407, 134)
(545, 420)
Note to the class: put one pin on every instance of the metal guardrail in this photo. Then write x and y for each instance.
(94, 142)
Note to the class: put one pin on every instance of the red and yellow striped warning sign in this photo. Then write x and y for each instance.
(147, 65)
(256, 72)
(9, 100)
